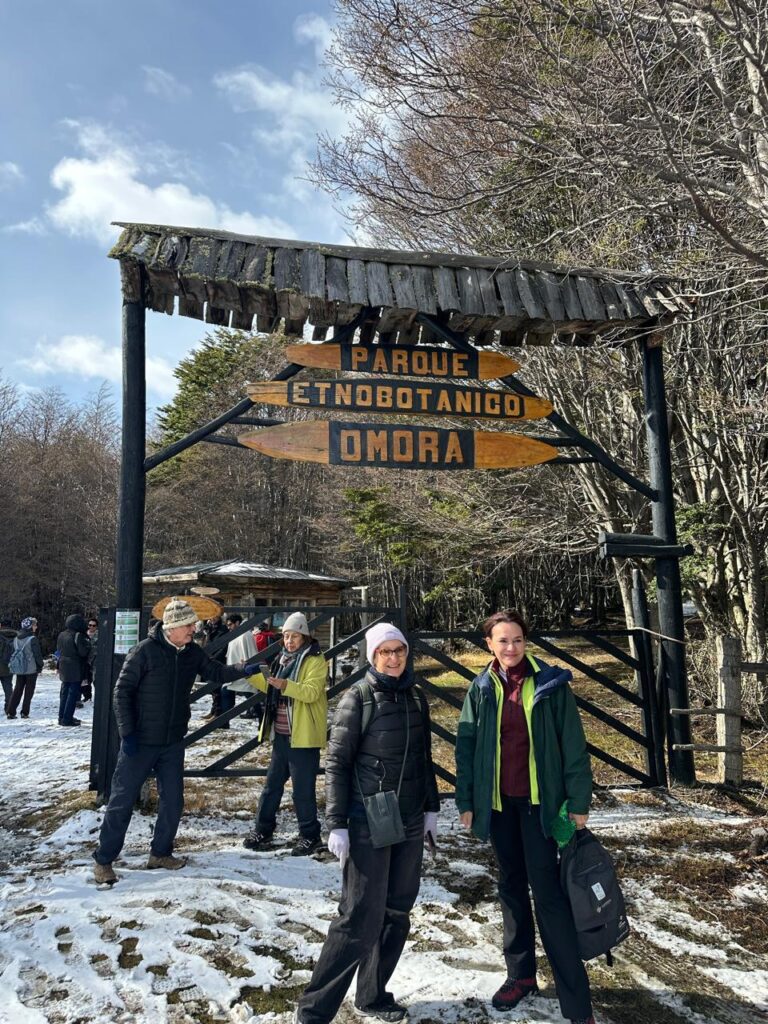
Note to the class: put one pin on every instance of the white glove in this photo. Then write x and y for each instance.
(430, 823)
(338, 844)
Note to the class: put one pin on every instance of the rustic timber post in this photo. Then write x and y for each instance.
(730, 758)
(130, 526)
(130, 523)
(654, 732)
(669, 595)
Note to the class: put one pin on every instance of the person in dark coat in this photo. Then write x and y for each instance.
(523, 779)
(152, 709)
(7, 636)
(74, 647)
(27, 642)
(391, 751)
(86, 689)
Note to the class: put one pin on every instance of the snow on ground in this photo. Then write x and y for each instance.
(233, 936)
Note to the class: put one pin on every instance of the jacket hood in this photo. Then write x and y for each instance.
(546, 678)
(24, 633)
(76, 623)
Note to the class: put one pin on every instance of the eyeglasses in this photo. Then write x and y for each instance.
(393, 652)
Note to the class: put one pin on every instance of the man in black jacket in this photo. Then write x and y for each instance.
(152, 712)
(73, 646)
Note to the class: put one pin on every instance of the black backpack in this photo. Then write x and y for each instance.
(589, 880)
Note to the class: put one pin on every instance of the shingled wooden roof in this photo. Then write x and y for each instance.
(253, 283)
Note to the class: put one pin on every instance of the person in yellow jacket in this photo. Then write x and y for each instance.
(299, 732)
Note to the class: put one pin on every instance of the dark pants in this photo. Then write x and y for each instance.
(524, 855)
(7, 682)
(380, 887)
(301, 765)
(69, 695)
(167, 762)
(25, 687)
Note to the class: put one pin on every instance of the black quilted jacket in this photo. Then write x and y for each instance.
(153, 688)
(378, 756)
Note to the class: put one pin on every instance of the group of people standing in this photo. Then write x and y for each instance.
(21, 655)
(523, 780)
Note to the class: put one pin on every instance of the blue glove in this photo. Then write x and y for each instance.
(130, 745)
(251, 668)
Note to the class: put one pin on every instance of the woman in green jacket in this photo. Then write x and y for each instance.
(524, 780)
(298, 735)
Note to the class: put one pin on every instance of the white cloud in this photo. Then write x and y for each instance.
(163, 84)
(10, 175)
(88, 356)
(33, 226)
(312, 28)
(292, 111)
(105, 185)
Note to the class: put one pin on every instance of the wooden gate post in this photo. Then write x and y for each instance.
(668, 589)
(730, 759)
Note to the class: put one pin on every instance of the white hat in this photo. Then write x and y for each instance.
(379, 634)
(296, 623)
(178, 613)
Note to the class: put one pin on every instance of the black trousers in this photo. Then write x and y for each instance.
(167, 762)
(380, 888)
(301, 765)
(23, 692)
(525, 856)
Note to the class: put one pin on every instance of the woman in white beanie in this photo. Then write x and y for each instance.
(379, 745)
(298, 736)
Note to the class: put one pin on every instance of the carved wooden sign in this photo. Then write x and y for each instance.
(404, 360)
(402, 397)
(397, 446)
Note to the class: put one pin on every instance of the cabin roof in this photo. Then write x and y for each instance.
(236, 568)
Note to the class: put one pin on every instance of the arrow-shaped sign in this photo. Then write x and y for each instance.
(404, 360)
(397, 446)
(402, 397)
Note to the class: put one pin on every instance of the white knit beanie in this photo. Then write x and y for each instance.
(379, 634)
(178, 613)
(296, 623)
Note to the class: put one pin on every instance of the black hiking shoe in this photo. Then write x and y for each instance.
(75, 721)
(512, 992)
(390, 1011)
(257, 840)
(305, 846)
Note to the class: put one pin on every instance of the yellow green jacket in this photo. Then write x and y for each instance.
(308, 704)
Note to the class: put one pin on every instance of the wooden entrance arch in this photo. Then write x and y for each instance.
(383, 298)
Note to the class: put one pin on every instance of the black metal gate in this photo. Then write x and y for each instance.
(105, 741)
(648, 736)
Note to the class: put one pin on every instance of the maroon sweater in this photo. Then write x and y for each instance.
(515, 744)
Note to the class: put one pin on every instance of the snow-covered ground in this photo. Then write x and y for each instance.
(232, 937)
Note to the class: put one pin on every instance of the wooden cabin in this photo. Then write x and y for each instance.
(251, 585)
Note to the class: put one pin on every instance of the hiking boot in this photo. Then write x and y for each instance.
(75, 721)
(390, 1011)
(305, 846)
(104, 874)
(512, 991)
(257, 840)
(25, 714)
(170, 863)
(210, 716)
(583, 1020)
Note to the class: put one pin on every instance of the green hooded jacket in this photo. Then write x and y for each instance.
(559, 764)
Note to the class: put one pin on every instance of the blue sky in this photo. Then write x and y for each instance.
(193, 113)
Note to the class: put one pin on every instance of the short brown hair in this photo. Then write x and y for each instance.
(506, 615)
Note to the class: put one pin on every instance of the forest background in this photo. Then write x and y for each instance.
(627, 135)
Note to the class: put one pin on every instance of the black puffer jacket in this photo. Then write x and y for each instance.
(379, 755)
(73, 646)
(153, 688)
